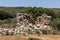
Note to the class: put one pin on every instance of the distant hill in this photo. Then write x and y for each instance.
(55, 9)
(19, 9)
(12, 9)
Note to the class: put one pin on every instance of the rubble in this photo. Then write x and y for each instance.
(26, 24)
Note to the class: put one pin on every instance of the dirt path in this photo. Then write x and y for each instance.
(24, 37)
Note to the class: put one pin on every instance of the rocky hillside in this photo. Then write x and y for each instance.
(30, 20)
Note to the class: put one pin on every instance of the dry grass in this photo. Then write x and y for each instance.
(24, 37)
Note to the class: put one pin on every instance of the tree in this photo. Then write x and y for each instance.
(36, 11)
(6, 15)
(58, 15)
(50, 12)
(56, 24)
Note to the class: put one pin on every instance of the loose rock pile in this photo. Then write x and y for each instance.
(26, 24)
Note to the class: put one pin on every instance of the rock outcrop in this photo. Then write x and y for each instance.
(27, 24)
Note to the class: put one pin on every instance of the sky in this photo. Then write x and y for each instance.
(31, 3)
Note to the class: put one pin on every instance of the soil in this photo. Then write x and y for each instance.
(24, 37)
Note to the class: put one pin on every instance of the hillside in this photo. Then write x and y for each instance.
(41, 18)
(19, 9)
(12, 9)
(29, 23)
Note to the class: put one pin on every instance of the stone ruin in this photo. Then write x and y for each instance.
(44, 20)
(25, 18)
(26, 24)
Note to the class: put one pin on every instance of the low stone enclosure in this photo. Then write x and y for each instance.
(26, 24)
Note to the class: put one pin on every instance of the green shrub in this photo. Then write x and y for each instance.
(38, 32)
(6, 15)
(32, 38)
(36, 11)
(56, 24)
